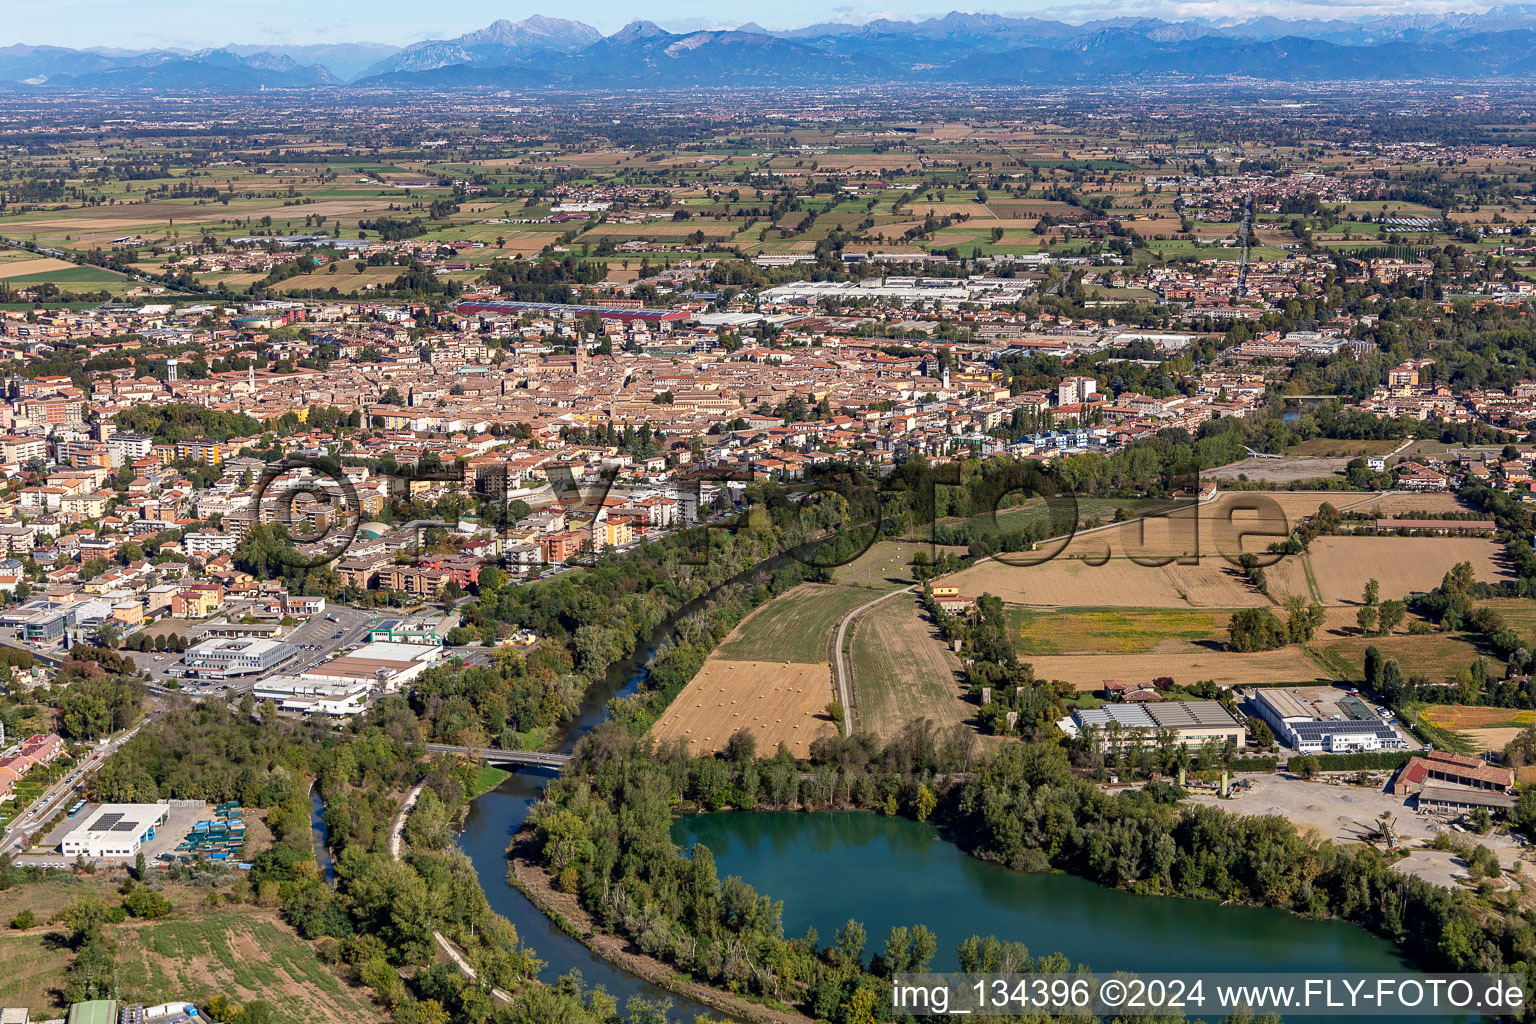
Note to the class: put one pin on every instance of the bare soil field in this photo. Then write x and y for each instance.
(902, 670)
(1118, 583)
(1403, 565)
(779, 701)
(1088, 671)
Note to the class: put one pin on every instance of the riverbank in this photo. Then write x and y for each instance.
(534, 882)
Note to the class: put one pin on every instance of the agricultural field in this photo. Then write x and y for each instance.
(1115, 630)
(778, 701)
(1397, 503)
(795, 627)
(1478, 728)
(1088, 671)
(903, 670)
(887, 564)
(1518, 612)
(194, 954)
(1118, 583)
(1431, 655)
(1336, 569)
(1343, 449)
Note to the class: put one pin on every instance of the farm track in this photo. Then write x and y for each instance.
(842, 663)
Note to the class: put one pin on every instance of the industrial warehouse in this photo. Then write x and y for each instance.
(1324, 725)
(114, 831)
(1189, 723)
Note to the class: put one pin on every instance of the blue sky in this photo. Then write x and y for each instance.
(150, 23)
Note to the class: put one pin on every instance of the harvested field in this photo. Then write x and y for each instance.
(1114, 630)
(902, 670)
(1398, 503)
(1285, 470)
(41, 265)
(1519, 614)
(1088, 671)
(796, 626)
(1403, 565)
(780, 702)
(1118, 583)
(887, 564)
(1435, 656)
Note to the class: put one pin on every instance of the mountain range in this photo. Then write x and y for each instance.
(957, 49)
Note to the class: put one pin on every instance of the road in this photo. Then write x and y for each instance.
(65, 791)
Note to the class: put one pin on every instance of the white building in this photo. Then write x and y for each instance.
(201, 544)
(220, 658)
(1075, 390)
(114, 831)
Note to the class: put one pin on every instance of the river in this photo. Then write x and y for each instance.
(489, 828)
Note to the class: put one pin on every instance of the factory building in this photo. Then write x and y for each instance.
(1190, 723)
(114, 831)
(1297, 724)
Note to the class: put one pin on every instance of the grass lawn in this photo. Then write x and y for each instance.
(1111, 630)
(794, 627)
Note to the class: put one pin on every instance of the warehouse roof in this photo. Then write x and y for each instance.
(1192, 714)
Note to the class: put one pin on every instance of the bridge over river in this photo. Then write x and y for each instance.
(496, 756)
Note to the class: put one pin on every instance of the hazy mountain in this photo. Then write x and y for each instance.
(541, 52)
(344, 60)
(500, 43)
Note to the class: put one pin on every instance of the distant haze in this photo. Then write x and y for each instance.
(541, 52)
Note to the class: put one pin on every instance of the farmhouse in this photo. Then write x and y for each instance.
(1439, 770)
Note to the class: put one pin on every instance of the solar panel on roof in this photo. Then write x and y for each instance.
(123, 826)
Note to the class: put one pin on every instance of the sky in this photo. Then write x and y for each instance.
(141, 24)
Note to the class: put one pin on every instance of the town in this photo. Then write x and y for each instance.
(1120, 489)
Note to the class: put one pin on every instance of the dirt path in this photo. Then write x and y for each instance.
(396, 847)
(568, 911)
(842, 669)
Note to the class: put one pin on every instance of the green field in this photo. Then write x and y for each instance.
(887, 565)
(796, 626)
(1435, 656)
(1111, 630)
(193, 955)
